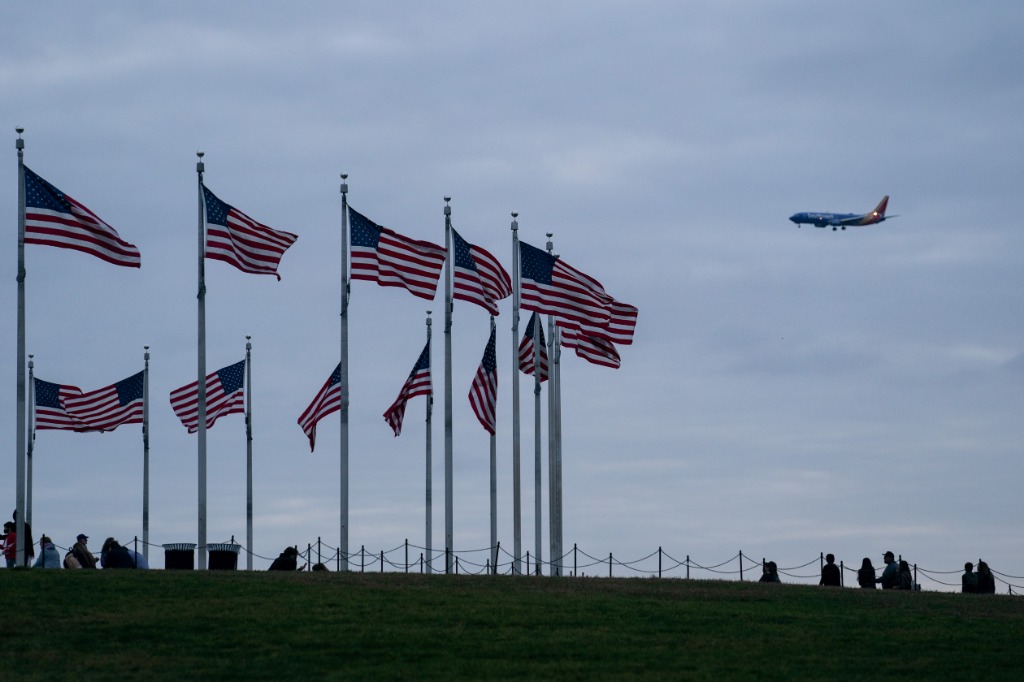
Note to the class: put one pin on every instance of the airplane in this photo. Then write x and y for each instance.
(841, 220)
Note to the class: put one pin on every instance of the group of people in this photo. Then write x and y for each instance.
(982, 582)
(896, 575)
(112, 555)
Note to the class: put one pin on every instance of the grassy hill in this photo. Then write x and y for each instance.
(238, 625)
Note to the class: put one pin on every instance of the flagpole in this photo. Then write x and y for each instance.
(20, 456)
(201, 372)
(248, 452)
(538, 450)
(145, 455)
(516, 500)
(343, 410)
(554, 444)
(494, 485)
(555, 356)
(449, 532)
(429, 483)
(31, 441)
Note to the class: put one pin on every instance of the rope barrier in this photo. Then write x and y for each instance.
(463, 562)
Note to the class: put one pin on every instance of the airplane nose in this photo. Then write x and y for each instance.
(793, 217)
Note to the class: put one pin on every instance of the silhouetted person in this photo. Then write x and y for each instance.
(906, 578)
(30, 550)
(969, 580)
(286, 561)
(986, 581)
(830, 572)
(113, 555)
(770, 574)
(866, 575)
(891, 575)
(49, 557)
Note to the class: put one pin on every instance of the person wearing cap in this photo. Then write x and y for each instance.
(891, 575)
(80, 551)
(49, 557)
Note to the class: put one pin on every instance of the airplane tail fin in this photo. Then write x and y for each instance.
(879, 211)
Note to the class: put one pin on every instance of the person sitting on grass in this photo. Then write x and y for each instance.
(287, 561)
(770, 573)
(113, 555)
(49, 557)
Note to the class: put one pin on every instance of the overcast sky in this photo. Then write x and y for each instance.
(789, 392)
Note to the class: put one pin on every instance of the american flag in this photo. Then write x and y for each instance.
(483, 394)
(50, 412)
(418, 383)
(383, 256)
(225, 394)
(235, 238)
(52, 218)
(108, 408)
(590, 348)
(478, 276)
(326, 402)
(526, 352)
(553, 287)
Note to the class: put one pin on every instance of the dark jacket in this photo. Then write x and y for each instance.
(830, 575)
(118, 557)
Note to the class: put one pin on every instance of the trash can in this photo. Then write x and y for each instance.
(223, 556)
(180, 556)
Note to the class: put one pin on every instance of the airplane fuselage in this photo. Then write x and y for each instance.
(842, 220)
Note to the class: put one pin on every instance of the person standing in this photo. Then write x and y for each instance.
(986, 581)
(866, 575)
(81, 552)
(830, 574)
(891, 575)
(10, 544)
(969, 580)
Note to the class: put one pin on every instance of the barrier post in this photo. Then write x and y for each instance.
(527, 562)
(659, 561)
(407, 555)
(575, 571)
(362, 558)
(609, 564)
(741, 565)
(687, 566)
(842, 574)
(497, 551)
(421, 563)
(456, 564)
(319, 551)
(382, 561)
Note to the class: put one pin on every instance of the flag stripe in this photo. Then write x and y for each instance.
(49, 406)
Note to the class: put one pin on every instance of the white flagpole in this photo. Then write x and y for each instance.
(31, 442)
(20, 457)
(555, 511)
(201, 372)
(516, 499)
(494, 490)
(248, 451)
(429, 466)
(343, 410)
(538, 454)
(449, 530)
(554, 442)
(145, 455)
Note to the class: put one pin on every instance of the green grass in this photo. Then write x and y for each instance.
(238, 625)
